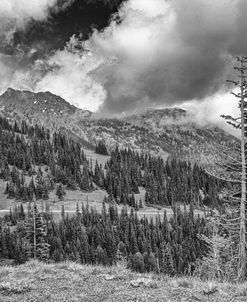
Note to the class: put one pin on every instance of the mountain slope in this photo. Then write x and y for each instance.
(34, 105)
(162, 132)
(44, 108)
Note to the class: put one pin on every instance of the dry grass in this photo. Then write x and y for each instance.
(73, 282)
(94, 199)
(101, 159)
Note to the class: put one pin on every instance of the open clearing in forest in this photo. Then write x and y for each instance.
(94, 199)
(72, 198)
(91, 155)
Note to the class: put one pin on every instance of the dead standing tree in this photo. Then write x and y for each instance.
(234, 171)
(240, 123)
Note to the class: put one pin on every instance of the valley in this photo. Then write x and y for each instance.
(168, 133)
(123, 151)
(99, 190)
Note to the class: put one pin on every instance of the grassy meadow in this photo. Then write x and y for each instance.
(72, 282)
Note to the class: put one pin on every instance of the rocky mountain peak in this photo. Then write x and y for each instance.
(31, 102)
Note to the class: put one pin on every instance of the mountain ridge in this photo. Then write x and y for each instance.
(164, 132)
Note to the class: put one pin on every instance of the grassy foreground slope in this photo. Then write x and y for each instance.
(35, 281)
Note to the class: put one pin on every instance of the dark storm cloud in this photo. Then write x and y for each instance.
(151, 53)
(64, 19)
(31, 32)
(183, 51)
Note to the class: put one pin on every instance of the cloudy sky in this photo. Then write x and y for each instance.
(118, 57)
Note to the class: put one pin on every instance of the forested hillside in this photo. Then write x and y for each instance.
(168, 246)
(34, 162)
(166, 183)
(170, 132)
(38, 161)
(123, 127)
(25, 149)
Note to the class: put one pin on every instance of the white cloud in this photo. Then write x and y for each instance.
(20, 10)
(161, 53)
(165, 52)
(70, 77)
(209, 110)
(16, 13)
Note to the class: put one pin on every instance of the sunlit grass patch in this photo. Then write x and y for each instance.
(241, 289)
(69, 281)
(5, 271)
(15, 286)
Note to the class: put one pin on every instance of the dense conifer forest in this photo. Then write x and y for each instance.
(167, 246)
(166, 183)
(33, 162)
(25, 149)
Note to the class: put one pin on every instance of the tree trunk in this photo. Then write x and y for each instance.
(34, 232)
(242, 247)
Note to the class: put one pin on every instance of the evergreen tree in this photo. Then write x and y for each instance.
(137, 263)
(166, 264)
(101, 148)
(36, 235)
(60, 192)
